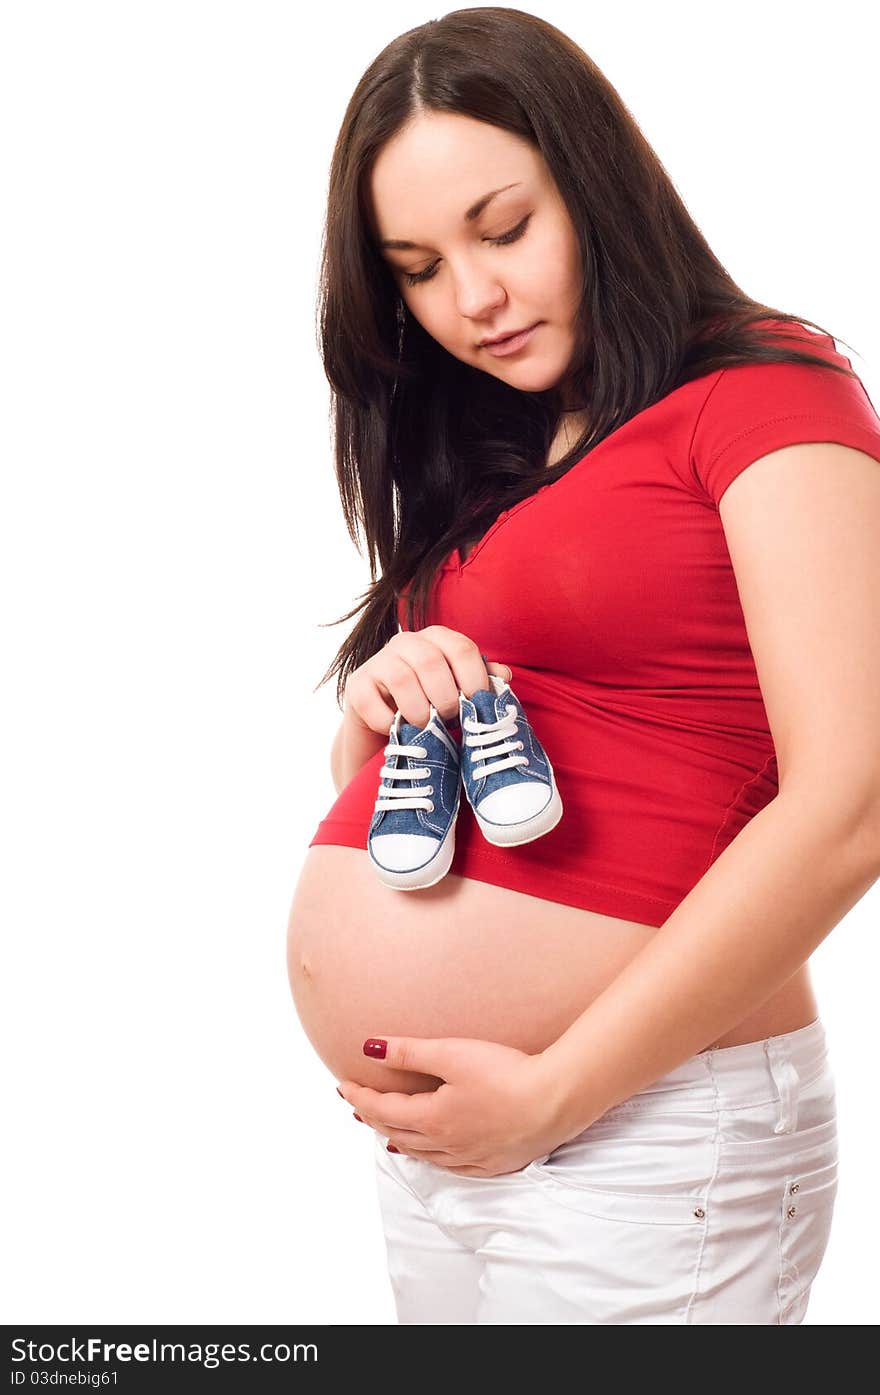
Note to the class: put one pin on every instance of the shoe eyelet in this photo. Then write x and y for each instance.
(429, 790)
(521, 745)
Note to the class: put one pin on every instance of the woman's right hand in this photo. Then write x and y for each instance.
(414, 669)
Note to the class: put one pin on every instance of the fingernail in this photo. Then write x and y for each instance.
(359, 1119)
(375, 1046)
(339, 1092)
(391, 1148)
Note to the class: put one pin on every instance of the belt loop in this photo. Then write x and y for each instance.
(787, 1082)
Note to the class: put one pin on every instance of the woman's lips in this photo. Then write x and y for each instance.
(510, 346)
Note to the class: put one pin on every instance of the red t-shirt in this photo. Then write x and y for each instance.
(611, 596)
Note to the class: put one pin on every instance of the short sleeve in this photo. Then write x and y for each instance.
(756, 408)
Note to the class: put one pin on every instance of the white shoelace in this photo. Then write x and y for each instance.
(497, 738)
(404, 797)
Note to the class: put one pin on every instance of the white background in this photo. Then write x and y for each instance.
(172, 544)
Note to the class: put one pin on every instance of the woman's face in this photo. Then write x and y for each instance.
(512, 264)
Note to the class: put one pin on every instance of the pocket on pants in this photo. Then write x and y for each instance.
(806, 1210)
(619, 1253)
(653, 1168)
(623, 1204)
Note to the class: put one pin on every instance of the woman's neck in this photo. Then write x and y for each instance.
(571, 427)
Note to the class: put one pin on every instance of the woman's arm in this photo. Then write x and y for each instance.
(758, 913)
(353, 746)
(801, 526)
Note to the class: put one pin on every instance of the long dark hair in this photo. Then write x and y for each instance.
(429, 450)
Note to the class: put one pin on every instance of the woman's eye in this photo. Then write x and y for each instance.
(413, 278)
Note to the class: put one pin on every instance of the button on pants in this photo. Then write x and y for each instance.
(705, 1198)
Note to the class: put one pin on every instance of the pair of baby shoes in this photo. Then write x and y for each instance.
(503, 768)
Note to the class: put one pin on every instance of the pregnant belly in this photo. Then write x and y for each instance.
(461, 958)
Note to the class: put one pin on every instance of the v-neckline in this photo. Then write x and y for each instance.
(455, 561)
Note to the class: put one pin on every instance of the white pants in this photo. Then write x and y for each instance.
(705, 1198)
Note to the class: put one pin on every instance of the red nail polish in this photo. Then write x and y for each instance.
(359, 1119)
(375, 1046)
(390, 1148)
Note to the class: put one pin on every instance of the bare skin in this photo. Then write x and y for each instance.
(461, 958)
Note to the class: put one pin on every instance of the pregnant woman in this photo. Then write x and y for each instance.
(589, 465)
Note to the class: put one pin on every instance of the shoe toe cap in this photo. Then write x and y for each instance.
(402, 852)
(514, 803)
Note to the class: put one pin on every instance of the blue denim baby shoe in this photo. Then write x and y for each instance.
(513, 795)
(411, 838)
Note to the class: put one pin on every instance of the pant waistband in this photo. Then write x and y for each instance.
(729, 1077)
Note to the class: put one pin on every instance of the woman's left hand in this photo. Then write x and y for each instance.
(492, 1113)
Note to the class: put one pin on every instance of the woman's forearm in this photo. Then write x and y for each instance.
(749, 923)
(353, 746)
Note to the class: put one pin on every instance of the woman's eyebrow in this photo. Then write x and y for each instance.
(396, 244)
